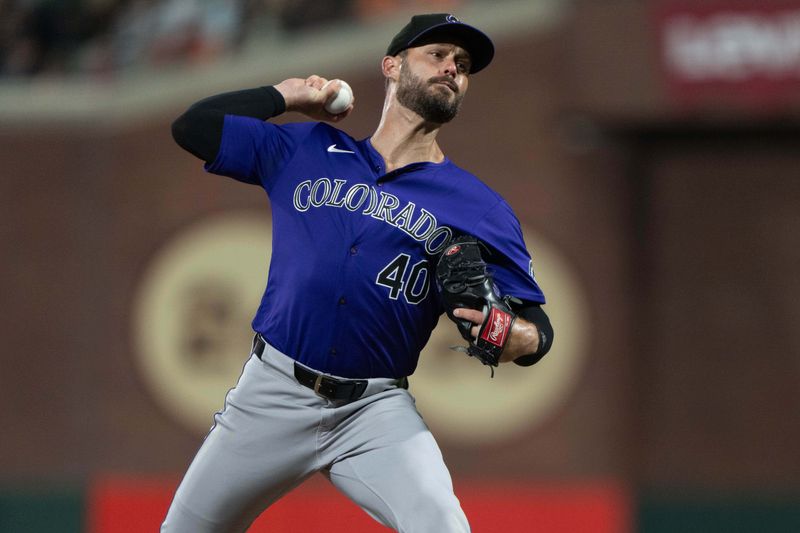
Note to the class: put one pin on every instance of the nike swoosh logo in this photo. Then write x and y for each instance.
(332, 148)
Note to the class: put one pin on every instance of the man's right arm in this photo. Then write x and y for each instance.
(199, 129)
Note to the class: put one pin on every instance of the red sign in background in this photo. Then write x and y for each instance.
(745, 52)
(133, 505)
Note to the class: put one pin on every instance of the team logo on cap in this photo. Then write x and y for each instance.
(452, 18)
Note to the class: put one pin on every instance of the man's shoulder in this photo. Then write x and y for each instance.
(322, 129)
(472, 182)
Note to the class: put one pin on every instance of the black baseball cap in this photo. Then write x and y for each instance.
(444, 27)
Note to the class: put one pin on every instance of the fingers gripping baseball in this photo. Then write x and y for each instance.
(309, 96)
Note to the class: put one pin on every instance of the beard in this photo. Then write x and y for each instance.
(432, 105)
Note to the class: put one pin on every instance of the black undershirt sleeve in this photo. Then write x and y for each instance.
(199, 129)
(535, 314)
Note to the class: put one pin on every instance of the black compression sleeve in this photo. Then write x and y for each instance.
(535, 314)
(199, 129)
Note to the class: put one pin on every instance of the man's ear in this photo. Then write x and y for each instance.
(390, 66)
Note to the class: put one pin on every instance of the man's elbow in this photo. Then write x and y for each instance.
(180, 130)
(199, 132)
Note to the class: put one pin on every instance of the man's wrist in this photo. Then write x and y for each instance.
(535, 315)
(282, 92)
(523, 340)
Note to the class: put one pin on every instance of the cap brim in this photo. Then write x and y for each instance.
(473, 40)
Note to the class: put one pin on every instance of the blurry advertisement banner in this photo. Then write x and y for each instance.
(744, 53)
(131, 505)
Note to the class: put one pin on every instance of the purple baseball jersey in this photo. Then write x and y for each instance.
(351, 289)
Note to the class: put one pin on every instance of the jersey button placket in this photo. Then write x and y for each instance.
(353, 251)
(342, 300)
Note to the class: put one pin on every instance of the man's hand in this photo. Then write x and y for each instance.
(523, 339)
(307, 96)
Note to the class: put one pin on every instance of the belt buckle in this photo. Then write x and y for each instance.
(317, 383)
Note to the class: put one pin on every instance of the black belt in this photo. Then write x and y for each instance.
(326, 386)
(330, 387)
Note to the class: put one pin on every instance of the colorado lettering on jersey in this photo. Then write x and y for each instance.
(422, 226)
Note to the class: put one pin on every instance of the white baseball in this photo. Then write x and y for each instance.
(341, 101)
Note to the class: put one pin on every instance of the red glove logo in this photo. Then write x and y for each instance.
(496, 330)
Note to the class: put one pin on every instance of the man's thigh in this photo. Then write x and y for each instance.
(397, 474)
(261, 446)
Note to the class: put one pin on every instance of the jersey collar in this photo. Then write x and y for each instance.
(379, 166)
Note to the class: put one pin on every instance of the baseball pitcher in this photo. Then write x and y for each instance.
(374, 240)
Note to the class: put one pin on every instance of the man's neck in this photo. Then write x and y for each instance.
(403, 137)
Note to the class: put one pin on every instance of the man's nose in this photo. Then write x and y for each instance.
(450, 68)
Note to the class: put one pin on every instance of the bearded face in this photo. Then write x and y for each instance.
(430, 99)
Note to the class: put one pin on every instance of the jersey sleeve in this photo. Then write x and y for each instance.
(253, 151)
(510, 261)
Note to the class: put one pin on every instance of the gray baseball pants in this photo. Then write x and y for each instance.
(274, 433)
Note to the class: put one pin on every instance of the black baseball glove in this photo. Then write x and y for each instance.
(465, 281)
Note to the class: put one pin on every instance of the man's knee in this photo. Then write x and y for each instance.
(181, 520)
(438, 511)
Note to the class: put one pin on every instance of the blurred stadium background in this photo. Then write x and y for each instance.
(650, 149)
